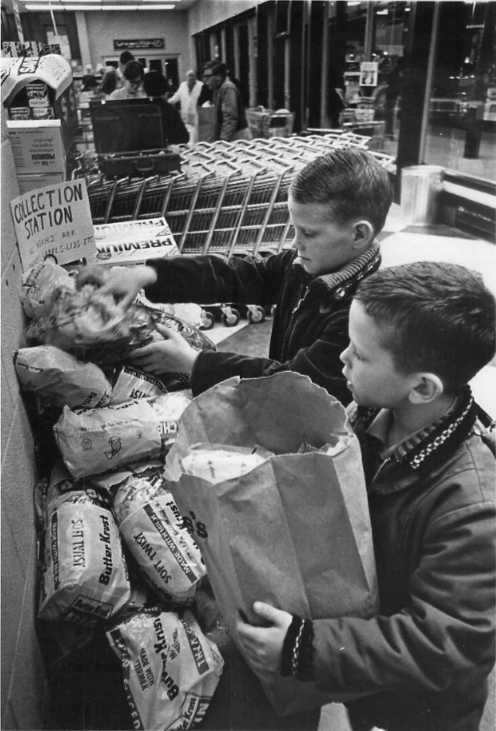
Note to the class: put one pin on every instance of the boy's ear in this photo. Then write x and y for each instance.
(426, 388)
(364, 233)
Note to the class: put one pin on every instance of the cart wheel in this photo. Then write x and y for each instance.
(207, 320)
(255, 314)
(231, 317)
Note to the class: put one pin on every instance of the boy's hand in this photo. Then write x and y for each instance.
(173, 354)
(123, 283)
(263, 645)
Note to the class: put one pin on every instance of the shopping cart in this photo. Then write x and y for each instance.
(230, 198)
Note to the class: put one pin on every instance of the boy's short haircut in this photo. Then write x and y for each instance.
(436, 318)
(154, 83)
(109, 82)
(125, 57)
(133, 71)
(352, 181)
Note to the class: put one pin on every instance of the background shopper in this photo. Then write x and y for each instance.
(133, 83)
(231, 115)
(175, 132)
(187, 96)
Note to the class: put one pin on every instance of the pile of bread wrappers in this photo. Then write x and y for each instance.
(114, 550)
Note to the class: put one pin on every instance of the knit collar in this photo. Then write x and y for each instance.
(338, 284)
(433, 443)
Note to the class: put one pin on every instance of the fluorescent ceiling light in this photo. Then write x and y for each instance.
(64, 2)
(381, 12)
(77, 5)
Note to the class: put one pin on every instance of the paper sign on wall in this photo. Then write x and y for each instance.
(54, 221)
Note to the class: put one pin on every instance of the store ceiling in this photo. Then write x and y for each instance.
(72, 5)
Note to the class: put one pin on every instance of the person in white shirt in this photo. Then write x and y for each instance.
(187, 95)
(133, 83)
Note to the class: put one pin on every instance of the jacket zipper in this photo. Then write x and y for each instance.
(292, 322)
(386, 461)
(297, 305)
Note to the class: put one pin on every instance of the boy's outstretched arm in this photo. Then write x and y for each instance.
(263, 645)
(123, 283)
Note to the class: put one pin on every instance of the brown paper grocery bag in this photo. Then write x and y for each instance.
(294, 530)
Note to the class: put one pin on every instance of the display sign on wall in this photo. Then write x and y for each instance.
(54, 222)
(139, 44)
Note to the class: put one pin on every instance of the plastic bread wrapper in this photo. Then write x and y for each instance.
(170, 669)
(154, 532)
(131, 384)
(292, 529)
(93, 326)
(84, 574)
(39, 285)
(188, 312)
(59, 379)
(99, 440)
(147, 469)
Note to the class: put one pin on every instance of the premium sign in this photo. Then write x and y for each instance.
(54, 221)
(133, 242)
(139, 44)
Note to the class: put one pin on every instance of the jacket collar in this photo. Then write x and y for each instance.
(430, 446)
(338, 284)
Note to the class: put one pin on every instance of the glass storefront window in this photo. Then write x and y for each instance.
(389, 38)
(376, 35)
(461, 125)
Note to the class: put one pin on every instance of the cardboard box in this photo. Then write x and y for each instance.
(37, 146)
(131, 243)
(30, 181)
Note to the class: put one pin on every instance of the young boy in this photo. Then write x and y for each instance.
(418, 334)
(338, 203)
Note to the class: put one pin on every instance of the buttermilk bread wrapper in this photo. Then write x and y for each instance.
(154, 532)
(84, 575)
(171, 670)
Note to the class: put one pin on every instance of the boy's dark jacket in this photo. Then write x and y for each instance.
(426, 658)
(310, 327)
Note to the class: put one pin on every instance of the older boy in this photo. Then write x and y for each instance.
(419, 333)
(338, 204)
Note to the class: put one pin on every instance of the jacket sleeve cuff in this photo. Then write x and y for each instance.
(297, 650)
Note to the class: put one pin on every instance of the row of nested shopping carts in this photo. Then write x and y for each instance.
(229, 197)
